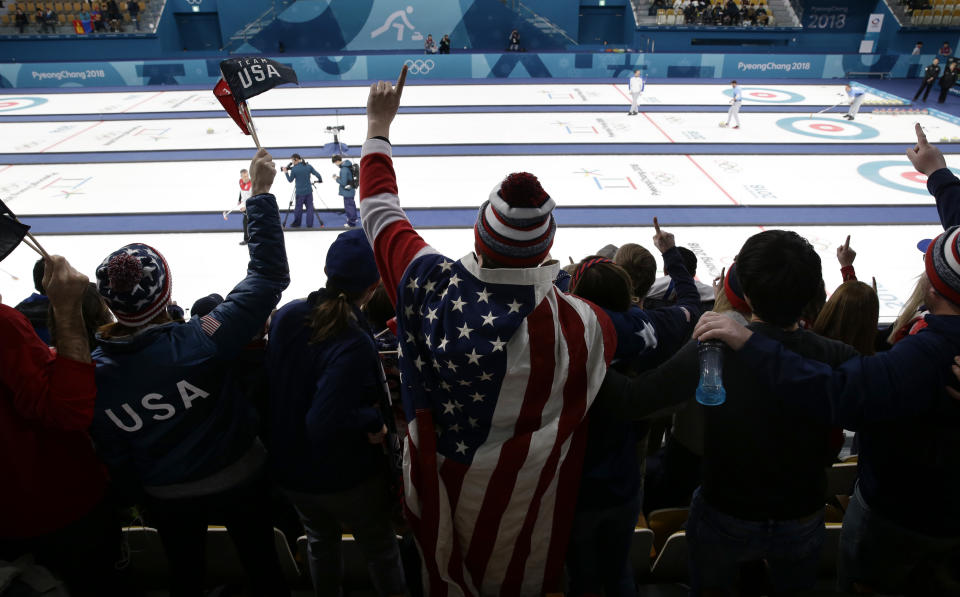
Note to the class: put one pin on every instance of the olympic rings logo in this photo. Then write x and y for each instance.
(419, 67)
(194, 2)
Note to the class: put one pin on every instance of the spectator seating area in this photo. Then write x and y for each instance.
(65, 16)
(736, 13)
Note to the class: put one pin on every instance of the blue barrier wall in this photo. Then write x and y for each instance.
(468, 66)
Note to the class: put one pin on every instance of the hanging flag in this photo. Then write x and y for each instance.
(229, 103)
(78, 27)
(249, 77)
(11, 231)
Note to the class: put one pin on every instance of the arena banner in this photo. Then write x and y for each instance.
(517, 65)
(835, 16)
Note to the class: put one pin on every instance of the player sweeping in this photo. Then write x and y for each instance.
(856, 97)
(734, 111)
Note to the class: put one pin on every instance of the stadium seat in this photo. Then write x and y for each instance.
(831, 550)
(223, 563)
(354, 566)
(840, 479)
(671, 564)
(148, 562)
(664, 523)
(5, 20)
(640, 552)
(661, 16)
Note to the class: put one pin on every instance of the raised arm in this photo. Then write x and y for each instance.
(395, 242)
(941, 182)
(245, 310)
(315, 173)
(56, 391)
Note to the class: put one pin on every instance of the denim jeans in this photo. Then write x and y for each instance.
(719, 543)
(598, 558)
(886, 557)
(365, 511)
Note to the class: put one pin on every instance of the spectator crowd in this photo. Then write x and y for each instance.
(545, 409)
(729, 13)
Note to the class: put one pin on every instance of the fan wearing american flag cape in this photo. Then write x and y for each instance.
(498, 367)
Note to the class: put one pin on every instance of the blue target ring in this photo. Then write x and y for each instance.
(871, 171)
(747, 92)
(9, 104)
(866, 132)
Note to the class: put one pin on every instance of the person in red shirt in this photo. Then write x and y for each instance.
(54, 499)
(246, 184)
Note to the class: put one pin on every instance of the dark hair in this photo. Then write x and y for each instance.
(332, 313)
(296, 156)
(689, 260)
(780, 273)
(851, 316)
(379, 309)
(94, 311)
(639, 265)
(38, 269)
(605, 284)
(242, 170)
(733, 82)
(336, 158)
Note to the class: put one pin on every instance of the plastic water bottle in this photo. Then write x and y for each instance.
(710, 391)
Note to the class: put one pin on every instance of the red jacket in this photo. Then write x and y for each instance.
(51, 476)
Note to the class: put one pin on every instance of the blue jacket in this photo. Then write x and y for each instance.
(301, 174)
(945, 188)
(161, 415)
(348, 186)
(909, 428)
(323, 402)
(645, 339)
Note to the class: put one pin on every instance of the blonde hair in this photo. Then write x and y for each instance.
(910, 308)
(851, 316)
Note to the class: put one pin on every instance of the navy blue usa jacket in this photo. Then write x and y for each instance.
(323, 402)
(161, 416)
(945, 188)
(909, 428)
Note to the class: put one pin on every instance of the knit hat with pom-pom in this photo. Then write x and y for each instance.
(136, 283)
(515, 226)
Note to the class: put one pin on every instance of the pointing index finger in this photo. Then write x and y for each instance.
(921, 136)
(656, 225)
(401, 80)
(846, 245)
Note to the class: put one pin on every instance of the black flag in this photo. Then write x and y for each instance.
(11, 231)
(248, 77)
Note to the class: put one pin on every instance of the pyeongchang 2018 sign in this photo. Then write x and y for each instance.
(835, 15)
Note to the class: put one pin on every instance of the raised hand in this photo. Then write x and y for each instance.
(382, 105)
(662, 240)
(926, 158)
(846, 255)
(262, 172)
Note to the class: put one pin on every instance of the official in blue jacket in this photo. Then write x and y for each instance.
(161, 419)
(327, 430)
(299, 174)
(348, 188)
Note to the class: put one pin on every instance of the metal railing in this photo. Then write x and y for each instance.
(257, 25)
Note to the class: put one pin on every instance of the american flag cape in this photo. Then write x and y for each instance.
(498, 371)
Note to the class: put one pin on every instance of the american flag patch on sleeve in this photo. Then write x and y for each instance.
(209, 324)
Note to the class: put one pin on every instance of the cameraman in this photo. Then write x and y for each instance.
(348, 188)
(299, 171)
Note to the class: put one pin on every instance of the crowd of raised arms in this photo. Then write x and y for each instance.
(545, 409)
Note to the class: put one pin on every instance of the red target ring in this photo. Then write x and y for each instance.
(827, 128)
(916, 177)
(8, 104)
(763, 94)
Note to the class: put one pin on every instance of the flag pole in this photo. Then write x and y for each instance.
(36, 246)
(248, 120)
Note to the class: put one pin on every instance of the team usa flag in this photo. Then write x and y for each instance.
(243, 78)
(498, 369)
(11, 231)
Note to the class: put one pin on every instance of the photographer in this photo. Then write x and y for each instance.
(348, 188)
(300, 171)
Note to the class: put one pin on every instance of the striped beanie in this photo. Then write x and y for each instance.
(135, 281)
(515, 226)
(943, 264)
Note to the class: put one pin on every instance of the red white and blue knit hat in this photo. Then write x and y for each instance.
(515, 226)
(136, 283)
(943, 264)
